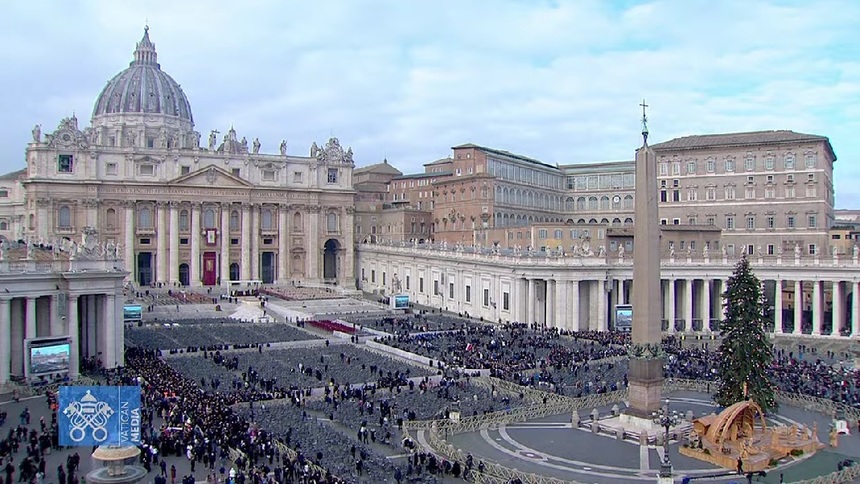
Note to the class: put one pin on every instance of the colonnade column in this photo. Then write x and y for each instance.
(74, 337)
(622, 292)
(798, 307)
(688, 304)
(706, 305)
(225, 244)
(549, 314)
(195, 244)
(5, 341)
(129, 238)
(245, 270)
(561, 316)
(255, 241)
(601, 305)
(574, 306)
(283, 251)
(30, 318)
(837, 312)
(174, 243)
(855, 310)
(531, 314)
(161, 242)
(817, 316)
(671, 316)
(109, 321)
(777, 306)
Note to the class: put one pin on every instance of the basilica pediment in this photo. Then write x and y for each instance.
(211, 176)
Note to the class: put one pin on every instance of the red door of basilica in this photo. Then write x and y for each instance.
(210, 274)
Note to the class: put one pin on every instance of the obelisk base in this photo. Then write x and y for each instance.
(645, 387)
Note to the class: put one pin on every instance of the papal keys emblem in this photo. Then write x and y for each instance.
(88, 414)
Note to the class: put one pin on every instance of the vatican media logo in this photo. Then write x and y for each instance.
(108, 415)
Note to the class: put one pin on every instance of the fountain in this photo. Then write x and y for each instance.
(116, 469)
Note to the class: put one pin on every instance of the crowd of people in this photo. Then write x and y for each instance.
(206, 333)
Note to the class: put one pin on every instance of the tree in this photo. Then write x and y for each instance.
(746, 354)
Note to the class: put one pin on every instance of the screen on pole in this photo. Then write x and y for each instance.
(50, 358)
(401, 302)
(623, 317)
(132, 313)
(106, 415)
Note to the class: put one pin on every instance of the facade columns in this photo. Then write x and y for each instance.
(777, 307)
(562, 317)
(161, 243)
(245, 270)
(283, 250)
(622, 292)
(129, 239)
(195, 245)
(672, 305)
(74, 337)
(532, 303)
(837, 312)
(30, 318)
(574, 306)
(255, 241)
(855, 310)
(174, 244)
(706, 305)
(5, 341)
(817, 316)
(798, 307)
(314, 256)
(225, 244)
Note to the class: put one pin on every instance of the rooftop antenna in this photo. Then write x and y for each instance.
(644, 123)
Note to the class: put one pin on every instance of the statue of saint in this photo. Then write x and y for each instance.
(347, 157)
(162, 139)
(834, 251)
(621, 251)
(706, 251)
(37, 133)
(283, 147)
(315, 150)
(244, 144)
(672, 251)
(797, 250)
(212, 140)
(197, 139)
(856, 251)
(256, 145)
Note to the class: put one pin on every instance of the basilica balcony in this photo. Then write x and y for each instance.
(269, 232)
(65, 230)
(144, 231)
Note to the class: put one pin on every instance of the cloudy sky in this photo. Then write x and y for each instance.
(405, 80)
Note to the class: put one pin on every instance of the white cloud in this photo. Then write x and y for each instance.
(558, 81)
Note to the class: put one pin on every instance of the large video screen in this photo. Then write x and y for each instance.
(132, 313)
(623, 317)
(52, 358)
(401, 302)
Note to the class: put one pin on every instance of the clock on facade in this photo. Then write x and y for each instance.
(616, 199)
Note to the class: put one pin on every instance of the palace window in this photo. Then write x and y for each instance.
(144, 218)
(332, 175)
(691, 167)
(331, 223)
(183, 220)
(790, 222)
(664, 169)
(209, 219)
(65, 163)
(750, 222)
(768, 163)
(730, 164)
(266, 220)
(711, 163)
(809, 160)
(64, 217)
(730, 222)
(749, 163)
(234, 220)
(812, 221)
(789, 161)
(769, 221)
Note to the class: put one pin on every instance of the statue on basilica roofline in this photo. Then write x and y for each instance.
(315, 150)
(244, 144)
(213, 138)
(256, 145)
(283, 147)
(37, 133)
(797, 250)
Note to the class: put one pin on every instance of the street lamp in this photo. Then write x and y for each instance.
(667, 421)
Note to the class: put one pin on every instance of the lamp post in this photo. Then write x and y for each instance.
(666, 420)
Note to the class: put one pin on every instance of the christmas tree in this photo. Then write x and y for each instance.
(745, 352)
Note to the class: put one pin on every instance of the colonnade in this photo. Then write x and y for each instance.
(92, 322)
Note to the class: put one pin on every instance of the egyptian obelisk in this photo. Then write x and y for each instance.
(646, 358)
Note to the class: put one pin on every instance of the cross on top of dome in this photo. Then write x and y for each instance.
(144, 52)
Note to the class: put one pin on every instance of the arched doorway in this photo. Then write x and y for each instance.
(234, 272)
(332, 247)
(184, 278)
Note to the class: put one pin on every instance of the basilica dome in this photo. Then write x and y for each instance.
(143, 88)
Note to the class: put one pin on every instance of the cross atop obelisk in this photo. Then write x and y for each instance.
(644, 123)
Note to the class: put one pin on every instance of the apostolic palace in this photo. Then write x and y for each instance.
(482, 231)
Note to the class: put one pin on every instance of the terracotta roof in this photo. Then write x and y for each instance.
(383, 167)
(739, 139)
(14, 175)
(440, 161)
(504, 153)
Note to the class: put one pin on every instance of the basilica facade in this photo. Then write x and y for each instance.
(180, 212)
